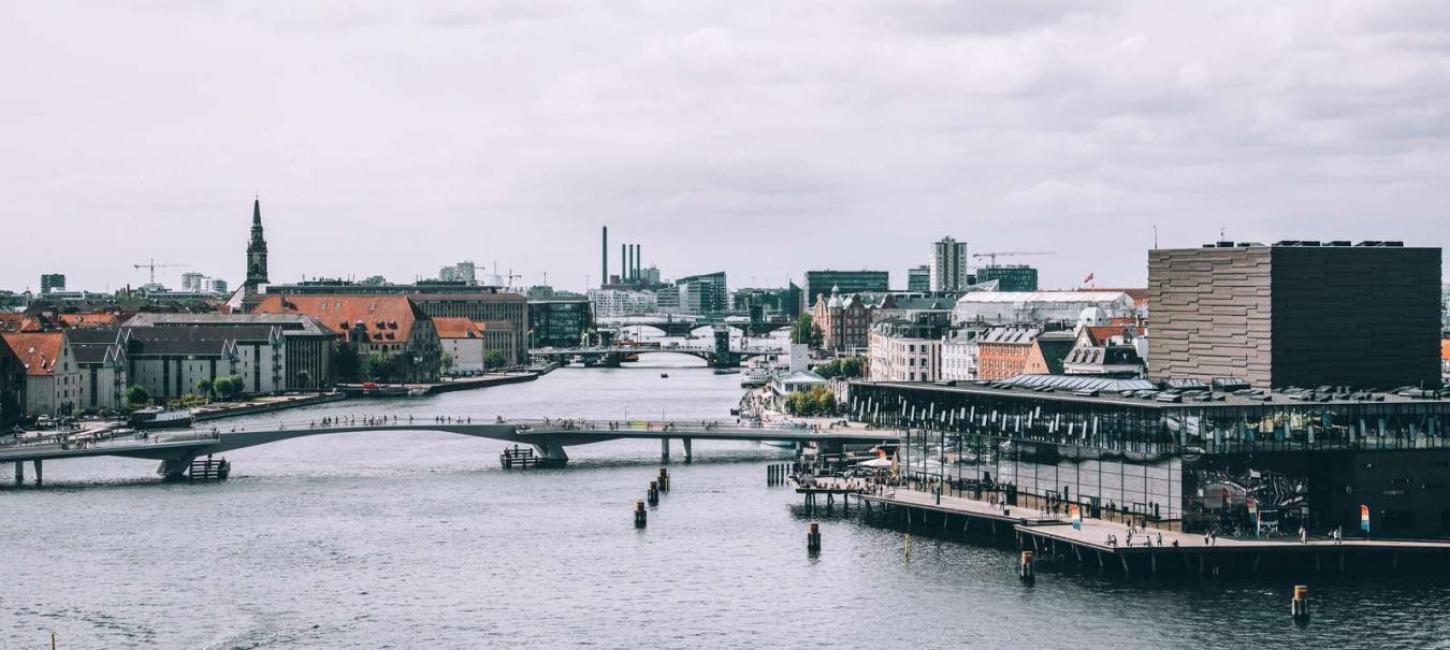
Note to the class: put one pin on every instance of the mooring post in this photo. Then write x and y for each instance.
(1299, 607)
(653, 495)
(813, 539)
(664, 480)
(1024, 568)
(640, 514)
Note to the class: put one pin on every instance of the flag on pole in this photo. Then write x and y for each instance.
(1364, 518)
(1076, 515)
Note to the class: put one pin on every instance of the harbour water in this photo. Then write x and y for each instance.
(410, 540)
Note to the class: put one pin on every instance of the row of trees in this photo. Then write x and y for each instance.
(818, 400)
(843, 368)
(229, 387)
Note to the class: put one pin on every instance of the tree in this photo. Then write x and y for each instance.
(137, 396)
(205, 388)
(446, 362)
(304, 378)
(495, 359)
(805, 331)
(222, 387)
(344, 359)
(843, 367)
(380, 366)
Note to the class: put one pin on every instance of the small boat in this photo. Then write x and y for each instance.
(664, 376)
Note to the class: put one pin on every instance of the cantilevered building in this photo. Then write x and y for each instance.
(1297, 313)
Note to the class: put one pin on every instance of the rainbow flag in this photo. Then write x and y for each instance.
(1364, 518)
(1076, 516)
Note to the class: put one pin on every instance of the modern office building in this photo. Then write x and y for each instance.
(1009, 277)
(1296, 313)
(52, 282)
(703, 294)
(1196, 460)
(559, 323)
(821, 283)
(918, 278)
(949, 265)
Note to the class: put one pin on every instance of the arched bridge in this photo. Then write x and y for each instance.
(682, 324)
(176, 450)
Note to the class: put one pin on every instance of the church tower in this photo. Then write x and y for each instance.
(256, 250)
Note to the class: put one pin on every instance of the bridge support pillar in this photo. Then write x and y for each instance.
(19, 472)
(551, 452)
(689, 457)
(665, 449)
(173, 469)
(39, 473)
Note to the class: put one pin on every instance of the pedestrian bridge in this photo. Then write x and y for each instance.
(548, 437)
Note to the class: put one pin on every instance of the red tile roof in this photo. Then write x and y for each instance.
(456, 328)
(17, 322)
(383, 318)
(1100, 335)
(96, 319)
(37, 350)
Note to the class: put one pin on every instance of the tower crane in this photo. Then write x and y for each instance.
(993, 255)
(151, 267)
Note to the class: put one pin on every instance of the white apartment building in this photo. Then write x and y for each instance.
(903, 351)
(949, 265)
(622, 302)
(959, 354)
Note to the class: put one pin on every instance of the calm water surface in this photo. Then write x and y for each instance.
(419, 540)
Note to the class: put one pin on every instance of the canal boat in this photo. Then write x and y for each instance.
(156, 417)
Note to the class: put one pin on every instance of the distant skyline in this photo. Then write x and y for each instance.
(761, 139)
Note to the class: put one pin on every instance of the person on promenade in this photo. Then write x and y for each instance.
(1303, 535)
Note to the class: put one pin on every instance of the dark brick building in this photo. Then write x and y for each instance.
(1296, 313)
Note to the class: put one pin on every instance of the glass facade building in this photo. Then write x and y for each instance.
(1233, 462)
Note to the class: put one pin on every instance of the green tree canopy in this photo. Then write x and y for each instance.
(137, 395)
(495, 359)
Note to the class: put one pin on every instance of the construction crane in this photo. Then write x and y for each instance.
(151, 266)
(992, 256)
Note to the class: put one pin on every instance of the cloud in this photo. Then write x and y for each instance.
(759, 138)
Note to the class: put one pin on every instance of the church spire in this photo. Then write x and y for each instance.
(256, 249)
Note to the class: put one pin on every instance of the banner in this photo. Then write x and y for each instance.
(1364, 518)
(1076, 515)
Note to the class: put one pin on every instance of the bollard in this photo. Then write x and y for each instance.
(654, 493)
(640, 515)
(813, 539)
(664, 480)
(1299, 607)
(1024, 568)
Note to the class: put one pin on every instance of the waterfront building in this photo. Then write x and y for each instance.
(1296, 313)
(50, 384)
(949, 265)
(445, 299)
(906, 350)
(1040, 307)
(609, 303)
(50, 282)
(667, 300)
(559, 323)
(1002, 352)
(103, 367)
(782, 302)
(918, 278)
(308, 347)
(1193, 460)
(844, 322)
(783, 384)
(171, 362)
(959, 353)
(1009, 277)
(703, 294)
(821, 283)
(462, 345)
(391, 324)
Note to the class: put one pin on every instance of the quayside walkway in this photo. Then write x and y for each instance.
(549, 437)
(1104, 545)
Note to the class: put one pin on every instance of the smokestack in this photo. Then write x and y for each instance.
(604, 258)
(638, 265)
(623, 261)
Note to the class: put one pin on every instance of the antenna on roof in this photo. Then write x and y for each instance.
(1155, 235)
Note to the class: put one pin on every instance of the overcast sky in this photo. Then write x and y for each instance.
(759, 138)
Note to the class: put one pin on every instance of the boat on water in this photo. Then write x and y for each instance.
(756, 373)
(725, 371)
(664, 375)
(156, 417)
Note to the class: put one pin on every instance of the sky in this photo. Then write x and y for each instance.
(759, 138)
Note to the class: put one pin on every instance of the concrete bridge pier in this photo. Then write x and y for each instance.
(39, 474)
(688, 455)
(173, 469)
(665, 450)
(551, 452)
(20, 472)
